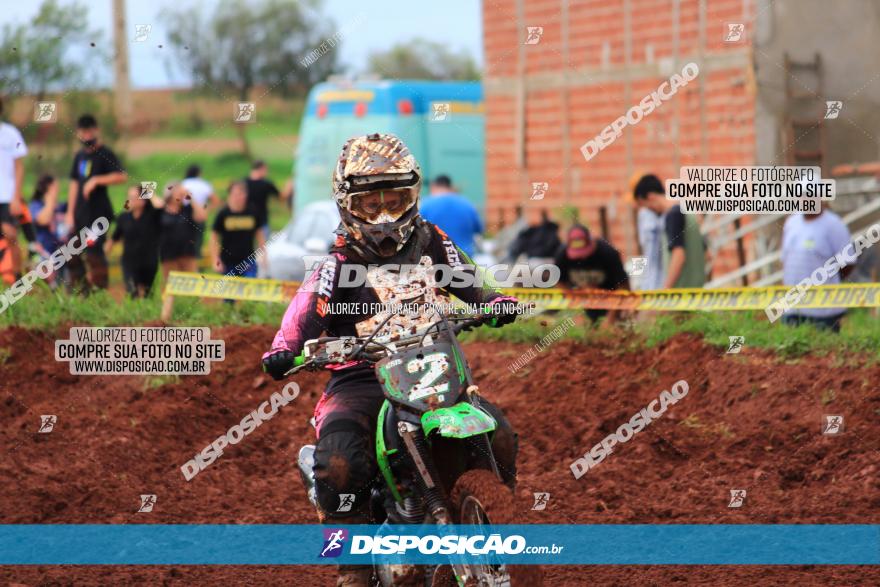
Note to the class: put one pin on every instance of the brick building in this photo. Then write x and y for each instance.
(557, 72)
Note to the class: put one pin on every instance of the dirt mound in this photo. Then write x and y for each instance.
(749, 421)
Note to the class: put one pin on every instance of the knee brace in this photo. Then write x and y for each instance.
(345, 469)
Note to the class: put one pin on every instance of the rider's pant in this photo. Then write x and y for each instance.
(345, 456)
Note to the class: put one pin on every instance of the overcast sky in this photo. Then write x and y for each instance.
(386, 22)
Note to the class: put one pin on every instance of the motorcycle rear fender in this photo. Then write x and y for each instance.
(462, 420)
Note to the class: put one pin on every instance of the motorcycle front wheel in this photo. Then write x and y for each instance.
(479, 498)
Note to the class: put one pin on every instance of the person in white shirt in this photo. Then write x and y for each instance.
(202, 193)
(198, 189)
(12, 151)
(650, 229)
(808, 241)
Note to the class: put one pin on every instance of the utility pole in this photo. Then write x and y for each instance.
(122, 86)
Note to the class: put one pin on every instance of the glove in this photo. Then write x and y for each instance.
(503, 310)
(278, 364)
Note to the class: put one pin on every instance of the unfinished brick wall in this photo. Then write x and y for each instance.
(545, 100)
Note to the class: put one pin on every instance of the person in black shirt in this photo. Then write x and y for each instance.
(259, 189)
(536, 241)
(94, 168)
(178, 239)
(587, 263)
(138, 229)
(233, 233)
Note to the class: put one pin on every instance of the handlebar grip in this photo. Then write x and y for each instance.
(299, 360)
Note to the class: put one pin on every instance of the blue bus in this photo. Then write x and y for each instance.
(441, 122)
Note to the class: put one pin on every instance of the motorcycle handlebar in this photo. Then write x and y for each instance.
(302, 362)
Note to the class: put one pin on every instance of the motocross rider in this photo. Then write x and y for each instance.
(376, 186)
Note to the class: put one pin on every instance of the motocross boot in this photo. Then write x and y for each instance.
(350, 575)
(354, 576)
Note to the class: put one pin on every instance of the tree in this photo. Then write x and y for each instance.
(35, 57)
(422, 59)
(241, 45)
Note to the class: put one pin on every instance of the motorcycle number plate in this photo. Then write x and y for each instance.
(432, 370)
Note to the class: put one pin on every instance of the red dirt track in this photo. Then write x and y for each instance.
(749, 421)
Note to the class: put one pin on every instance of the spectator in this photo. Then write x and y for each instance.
(259, 189)
(538, 241)
(588, 263)
(179, 232)
(650, 228)
(203, 193)
(808, 241)
(138, 228)
(199, 189)
(232, 236)
(453, 213)
(12, 151)
(94, 168)
(44, 211)
(686, 262)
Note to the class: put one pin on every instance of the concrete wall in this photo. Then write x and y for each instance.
(846, 34)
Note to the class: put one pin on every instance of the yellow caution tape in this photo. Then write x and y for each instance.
(850, 295)
(231, 288)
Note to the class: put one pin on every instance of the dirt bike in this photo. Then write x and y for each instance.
(433, 446)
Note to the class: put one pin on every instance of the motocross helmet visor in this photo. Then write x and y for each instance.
(381, 206)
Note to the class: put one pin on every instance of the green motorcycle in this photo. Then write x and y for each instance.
(433, 445)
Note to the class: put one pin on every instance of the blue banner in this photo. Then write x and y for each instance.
(649, 544)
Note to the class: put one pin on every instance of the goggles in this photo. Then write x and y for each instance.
(381, 206)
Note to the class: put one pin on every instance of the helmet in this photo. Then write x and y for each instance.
(376, 186)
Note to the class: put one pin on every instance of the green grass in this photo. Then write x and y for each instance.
(860, 337)
(270, 123)
(45, 310)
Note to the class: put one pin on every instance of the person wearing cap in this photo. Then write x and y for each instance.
(588, 263)
(453, 213)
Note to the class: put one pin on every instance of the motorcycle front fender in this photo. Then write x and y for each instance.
(462, 420)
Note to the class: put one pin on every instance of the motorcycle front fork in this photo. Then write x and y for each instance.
(427, 479)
